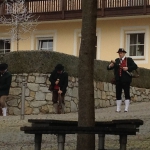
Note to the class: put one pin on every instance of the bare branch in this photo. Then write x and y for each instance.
(21, 21)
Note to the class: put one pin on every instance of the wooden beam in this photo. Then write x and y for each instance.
(144, 7)
(103, 7)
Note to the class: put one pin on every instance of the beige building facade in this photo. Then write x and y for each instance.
(131, 33)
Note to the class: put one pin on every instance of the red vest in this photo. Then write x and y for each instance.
(56, 87)
(122, 64)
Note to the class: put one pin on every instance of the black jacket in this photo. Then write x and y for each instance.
(125, 77)
(63, 80)
(5, 83)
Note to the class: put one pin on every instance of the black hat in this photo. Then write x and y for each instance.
(121, 50)
(3, 66)
(59, 67)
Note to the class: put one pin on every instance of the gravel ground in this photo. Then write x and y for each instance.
(13, 139)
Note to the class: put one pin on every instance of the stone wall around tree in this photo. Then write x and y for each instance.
(38, 99)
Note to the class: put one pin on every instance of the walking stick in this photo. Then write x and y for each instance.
(59, 103)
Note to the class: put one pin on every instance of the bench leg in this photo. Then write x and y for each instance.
(38, 140)
(101, 142)
(61, 141)
(123, 142)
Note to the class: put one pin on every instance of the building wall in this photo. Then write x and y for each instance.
(38, 99)
(113, 37)
(111, 34)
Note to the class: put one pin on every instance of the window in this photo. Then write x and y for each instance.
(45, 44)
(135, 40)
(78, 45)
(4, 46)
(78, 49)
(136, 44)
(77, 42)
(44, 40)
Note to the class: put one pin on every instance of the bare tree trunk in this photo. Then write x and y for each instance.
(86, 115)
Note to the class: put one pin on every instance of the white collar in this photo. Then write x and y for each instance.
(123, 58)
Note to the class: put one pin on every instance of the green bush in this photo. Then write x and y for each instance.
(39, 62)
(45, 61)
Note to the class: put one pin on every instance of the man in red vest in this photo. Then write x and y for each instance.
(122, 67)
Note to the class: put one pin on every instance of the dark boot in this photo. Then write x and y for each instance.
(62, 108)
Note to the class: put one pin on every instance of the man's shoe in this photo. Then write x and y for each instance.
(118, 111)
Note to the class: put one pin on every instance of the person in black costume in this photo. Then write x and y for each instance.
(59, 82)
(122, 66)
(5, 83)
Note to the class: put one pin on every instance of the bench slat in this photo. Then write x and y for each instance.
(73, 130)
(46, 122)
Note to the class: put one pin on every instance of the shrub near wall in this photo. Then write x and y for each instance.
(35, 68)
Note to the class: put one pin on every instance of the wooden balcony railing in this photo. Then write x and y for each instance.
(71, 9)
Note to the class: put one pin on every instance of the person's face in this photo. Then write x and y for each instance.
(60, 71)
(121, 54)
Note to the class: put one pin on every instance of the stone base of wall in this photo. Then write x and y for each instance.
(38, 99)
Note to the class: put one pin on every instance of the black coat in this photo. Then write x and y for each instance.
(5, 83)
(125, 77)
(63, 80)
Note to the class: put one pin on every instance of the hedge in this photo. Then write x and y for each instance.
(45, 61)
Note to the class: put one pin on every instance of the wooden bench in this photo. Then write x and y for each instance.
(123, 128)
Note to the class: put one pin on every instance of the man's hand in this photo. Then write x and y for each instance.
(125, 68)
(57, 81)
(59, 92)
(111, 65)
(112, 61)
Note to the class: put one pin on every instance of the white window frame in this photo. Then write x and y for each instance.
(123, 41)
(4, 51)
(43, 34)
(128, 44)
(47, 38)
(77, 34)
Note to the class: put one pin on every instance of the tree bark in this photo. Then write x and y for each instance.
(86, 114)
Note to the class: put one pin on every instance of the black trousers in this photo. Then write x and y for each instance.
(55, 96)
(122, 86)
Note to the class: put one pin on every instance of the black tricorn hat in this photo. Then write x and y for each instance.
(59, 67)
(121, 50)
(3, 66)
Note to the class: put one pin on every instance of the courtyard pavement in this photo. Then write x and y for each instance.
(11, 138)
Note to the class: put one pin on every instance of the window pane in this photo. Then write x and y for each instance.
(43, 44)
(46, 44)
(1, 44)
(141, 38)
(140, 50)
(4, 46)
(133, 38)
(133, 50)
(50, 43)
(136, 44)
(7, 45)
